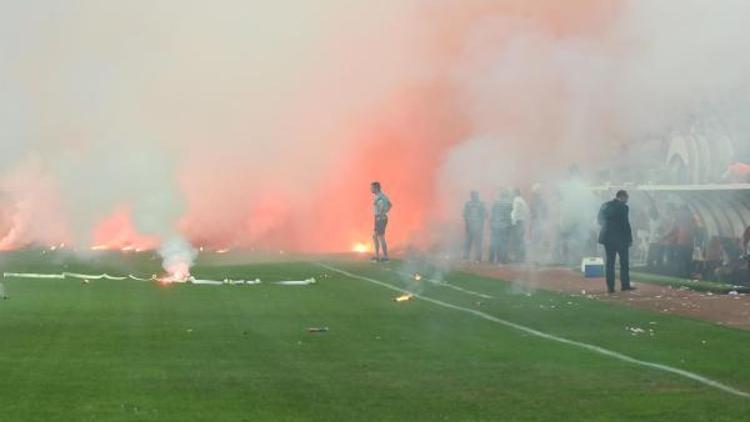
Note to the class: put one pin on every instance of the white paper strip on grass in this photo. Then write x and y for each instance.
(34, 275)
(590, 347)
(83, 276)
(207, 282)
(93, 276)
(65, 275)
(132, 277)
(241, 282)
(307, 282)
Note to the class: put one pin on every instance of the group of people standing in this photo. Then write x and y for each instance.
(509, 219)
(679, 245)
(508, 222)
(672, 238)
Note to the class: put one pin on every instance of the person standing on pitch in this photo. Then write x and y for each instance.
(474, 215)
(382, 205)
(617, 238)
(519, 217)
(501, 227)
(3, 294)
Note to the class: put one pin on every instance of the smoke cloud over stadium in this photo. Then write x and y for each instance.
(260, 124)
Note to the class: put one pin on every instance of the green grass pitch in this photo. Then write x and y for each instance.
(136, 351)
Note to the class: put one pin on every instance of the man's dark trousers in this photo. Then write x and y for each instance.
(612, 251)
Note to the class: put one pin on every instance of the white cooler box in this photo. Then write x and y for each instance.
(592, 267)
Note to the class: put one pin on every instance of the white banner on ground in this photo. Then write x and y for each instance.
(191, 280)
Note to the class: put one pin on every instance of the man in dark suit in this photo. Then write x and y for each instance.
(617, 238)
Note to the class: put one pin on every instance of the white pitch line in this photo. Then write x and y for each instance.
(446, 284)
(625, 358)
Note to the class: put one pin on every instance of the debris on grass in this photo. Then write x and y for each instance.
(636, 330)
(315, 330)
(404, 298)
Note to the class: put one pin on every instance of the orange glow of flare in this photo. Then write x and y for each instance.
(404, 298)
(164, 281)
(360, 248)
(172, 278)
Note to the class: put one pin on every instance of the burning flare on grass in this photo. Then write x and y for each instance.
(360, 248)
(178, 256)
(404, 298)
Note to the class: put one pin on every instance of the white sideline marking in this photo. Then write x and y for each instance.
(445, 284)
(686, 374)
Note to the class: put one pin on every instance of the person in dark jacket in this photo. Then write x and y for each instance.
(617, 238)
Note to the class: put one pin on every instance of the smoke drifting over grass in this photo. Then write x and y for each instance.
(260, 124)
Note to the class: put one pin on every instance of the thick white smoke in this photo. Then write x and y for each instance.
(262, 122)
(210, 120)
(540, 99)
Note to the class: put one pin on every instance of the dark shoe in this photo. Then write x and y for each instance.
(628, 289)
(385, 260)
(610, 292)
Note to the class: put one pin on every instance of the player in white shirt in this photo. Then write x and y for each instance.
(520, 218)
